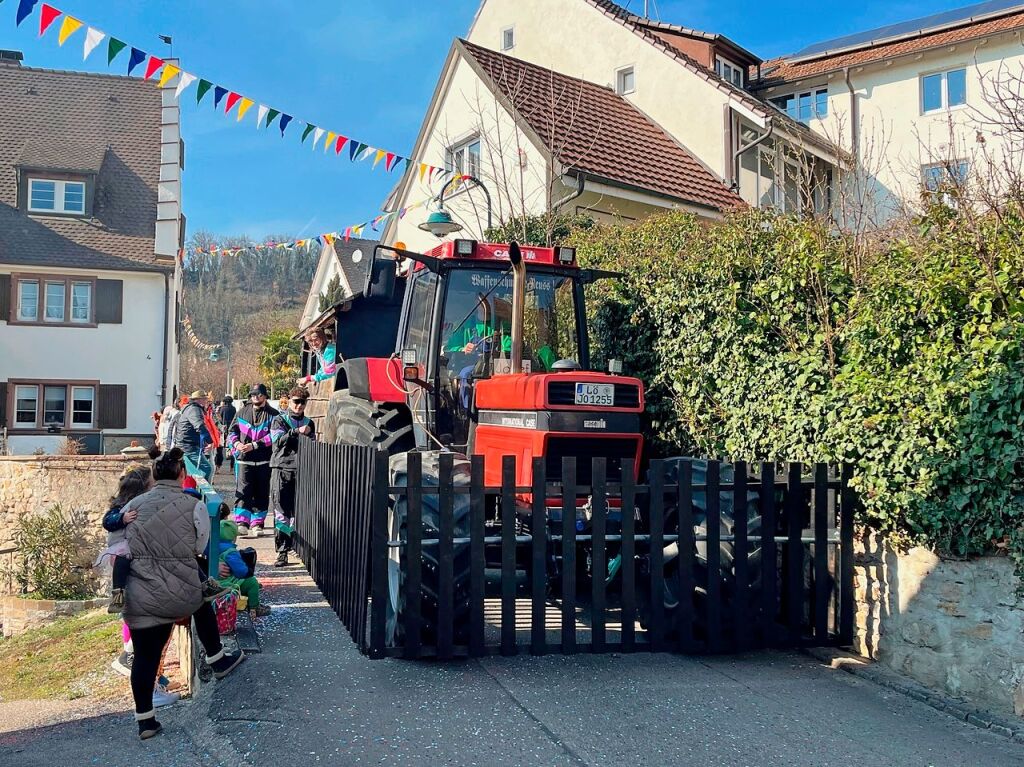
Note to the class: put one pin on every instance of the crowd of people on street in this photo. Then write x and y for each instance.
(159, 527)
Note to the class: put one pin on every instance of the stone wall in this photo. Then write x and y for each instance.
(31, 483)
(20, 615)
(954, 626)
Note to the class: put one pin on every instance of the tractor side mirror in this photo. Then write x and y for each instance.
(380, 279)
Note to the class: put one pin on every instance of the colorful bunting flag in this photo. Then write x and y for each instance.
(329, 140)
(67, 28)
(261, 113)
(243, 107)
(271, 116)
(169, 72)
(93, 37)
(339, 144)
(114, 47)
(218, 94)
(309, 129)
(317, 134)
(185, 81)
(25, 10)
(354, 148)
(232, 100)
(135, 59)
(202, 89)
(152, 66)
(285, 119)
(389, 161)
(47, 15)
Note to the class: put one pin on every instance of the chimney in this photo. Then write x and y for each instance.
(11, 58)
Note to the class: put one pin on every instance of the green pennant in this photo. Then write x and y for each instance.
(309, 129)
(202, 89)
(114, 47)
(271, 116)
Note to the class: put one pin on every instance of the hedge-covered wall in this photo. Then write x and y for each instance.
(769, 337)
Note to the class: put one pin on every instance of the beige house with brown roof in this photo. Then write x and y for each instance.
(91, 231)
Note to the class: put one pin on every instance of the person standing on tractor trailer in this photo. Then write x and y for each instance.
(250, 443)
(326, 357)
(286, 430)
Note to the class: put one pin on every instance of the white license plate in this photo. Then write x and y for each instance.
(600, 395)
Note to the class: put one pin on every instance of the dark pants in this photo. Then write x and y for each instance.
(149, 646)
(252, 494)
(282, 501)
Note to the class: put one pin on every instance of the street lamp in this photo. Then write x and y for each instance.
(439, 223)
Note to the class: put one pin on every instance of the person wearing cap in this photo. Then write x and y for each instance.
(287, 430)
(250, 443)
(225, 417)
(192, 434)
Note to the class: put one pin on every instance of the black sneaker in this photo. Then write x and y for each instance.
(282, 560)
(148, 728)
(226, 664)
(116, 601)
(212, 590)
(122, 664)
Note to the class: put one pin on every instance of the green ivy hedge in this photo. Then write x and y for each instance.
(769, 337)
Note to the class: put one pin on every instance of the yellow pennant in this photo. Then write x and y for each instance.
(169, 71)
(67, 28)
(423, 169)
(243, 107)
(331, 135)
(381, 154)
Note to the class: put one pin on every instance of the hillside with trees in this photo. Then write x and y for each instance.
(249, 303)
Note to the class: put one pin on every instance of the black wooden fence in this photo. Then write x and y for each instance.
(694, 560)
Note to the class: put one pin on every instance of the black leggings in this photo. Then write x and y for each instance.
(149, 645)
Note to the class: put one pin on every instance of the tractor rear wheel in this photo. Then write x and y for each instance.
(430, 570)
(351, 420)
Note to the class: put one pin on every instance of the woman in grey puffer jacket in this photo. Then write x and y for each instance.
(171, 530)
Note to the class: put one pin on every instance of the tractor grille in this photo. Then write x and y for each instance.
(584, 451)
(564, 393)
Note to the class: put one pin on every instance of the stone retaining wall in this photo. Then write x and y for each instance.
(35, 483)
(19, 615)
(953, 626)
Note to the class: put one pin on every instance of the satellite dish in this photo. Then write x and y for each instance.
(357, 256)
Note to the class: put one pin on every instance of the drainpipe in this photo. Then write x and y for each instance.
(580, 183)
(744, 149)
(854, 119)
(167, 309)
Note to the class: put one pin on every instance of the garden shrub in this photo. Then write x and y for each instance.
(53, 559)
(771, 337)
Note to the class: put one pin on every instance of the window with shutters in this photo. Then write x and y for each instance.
(53, 405)
(46, 299)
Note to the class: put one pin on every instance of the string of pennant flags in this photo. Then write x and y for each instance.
(328, 238)
(191, 334)
(165, 75)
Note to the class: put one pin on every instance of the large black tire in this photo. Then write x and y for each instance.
(430, 570)
(676, 603)
(354, 421)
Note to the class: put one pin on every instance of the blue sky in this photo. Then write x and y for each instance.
(365, 67)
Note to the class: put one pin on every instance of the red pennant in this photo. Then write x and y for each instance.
(232, 100)
(389, 161)
(152, 66)
(47, 14)
(342, 140)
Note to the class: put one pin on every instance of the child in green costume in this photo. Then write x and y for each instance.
(239, 580)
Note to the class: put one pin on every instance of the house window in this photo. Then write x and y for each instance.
(28, 300)
(26, 406)
(625, 80)
(508, 38)
(82, 405)
(804, 106)
(943, 90)
(53, 196)
(81, 301)
(55, 405)
(729, 71)
(465, 157)
(939, 176)
(56, 297)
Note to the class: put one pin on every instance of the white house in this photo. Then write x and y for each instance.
(91, 231)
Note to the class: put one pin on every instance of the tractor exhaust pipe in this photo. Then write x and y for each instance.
(518, 304)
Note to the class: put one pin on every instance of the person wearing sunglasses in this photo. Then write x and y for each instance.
(286, 431)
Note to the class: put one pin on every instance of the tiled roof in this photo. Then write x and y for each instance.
(783, 70)
(85, 122)
(591, 129)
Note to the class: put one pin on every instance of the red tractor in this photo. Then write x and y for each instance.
(477, 349)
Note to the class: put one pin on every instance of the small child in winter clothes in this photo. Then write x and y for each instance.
(239, 580)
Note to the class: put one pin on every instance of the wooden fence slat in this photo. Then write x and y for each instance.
(687, 557)
(568, 555)
(794, 553)
(379, 554)
(412, 562)
(741, 572)
(656, 595)
(538, 560)
(822, 580)
(769, 556)
(599, 563)
(846, 596)
(508, 555)
(628, 552)
(714, 559)
(446, 558)
(477, 500)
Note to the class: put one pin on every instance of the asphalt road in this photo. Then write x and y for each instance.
(311, 699)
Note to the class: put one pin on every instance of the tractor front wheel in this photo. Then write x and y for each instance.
(351, 420)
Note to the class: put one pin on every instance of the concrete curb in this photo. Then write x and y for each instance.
(959, 709)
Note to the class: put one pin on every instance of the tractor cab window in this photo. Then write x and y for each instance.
(421, 306)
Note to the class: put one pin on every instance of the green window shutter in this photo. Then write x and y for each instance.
(113, 406)
(109, 299)
(5, 297)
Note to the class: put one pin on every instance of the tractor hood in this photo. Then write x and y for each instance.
(558, 391)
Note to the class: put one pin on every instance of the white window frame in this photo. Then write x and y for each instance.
(958, 179)
(64, 412)
(508, 30)
(620, 74)
(944, 90)
(87, 319)
(35, 315)
(59, 196)
(62, 320)
(74, 388)
(453, 159)
(796, 96)
(728, 70)
(35, 413)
